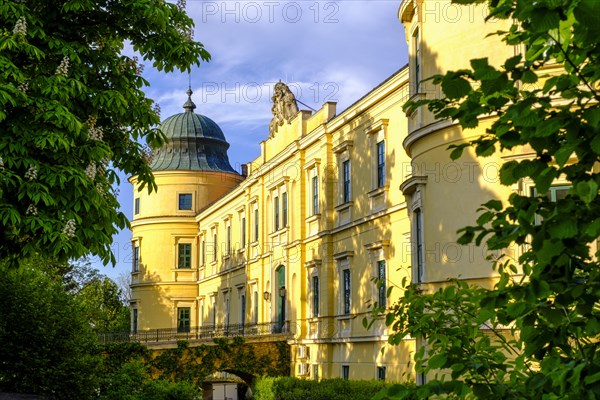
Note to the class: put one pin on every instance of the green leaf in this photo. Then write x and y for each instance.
(587, 190)
(455, 87)
(437, 361)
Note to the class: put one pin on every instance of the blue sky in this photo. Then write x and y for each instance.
(324, 50)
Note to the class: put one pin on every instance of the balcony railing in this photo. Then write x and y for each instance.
(205, 332)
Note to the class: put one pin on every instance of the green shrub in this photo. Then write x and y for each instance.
(287, 388)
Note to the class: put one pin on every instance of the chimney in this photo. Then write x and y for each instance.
(245, 170)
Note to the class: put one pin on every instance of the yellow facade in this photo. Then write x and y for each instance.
(298, 242)
(333, 202)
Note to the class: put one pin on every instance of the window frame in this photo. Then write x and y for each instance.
(346, 183)
(382, 283)
(275, 213)
(315, 285)
(346, 291)
(134, 320)
(184, 323)
(315, 194)
(345, 372)
(381, 372)
(184, 255)
(284, 210)
(135, 267)
(182, 196)
(381, 175)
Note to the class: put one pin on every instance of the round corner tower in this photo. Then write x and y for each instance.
(191, 171)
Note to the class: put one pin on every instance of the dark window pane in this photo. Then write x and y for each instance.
(185, 201)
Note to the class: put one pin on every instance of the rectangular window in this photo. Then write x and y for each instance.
(214, 312)
(256, 225)
(183, 319)
(136, 258)
(256, 307)
(276, 213)
(185, 255)
(214, 247)
(419, 243)
(381, 164)
(315, 195)
(346, 290)
(136, 206)
(243, 225)
(381, 373)
(346, 180)
(345, 372)
(203, 251)
(284, 207)
(315, 372)
(185, 201)
(382, 295)
(417, 62)
(315, 288)
(134, 320)
(228, 239)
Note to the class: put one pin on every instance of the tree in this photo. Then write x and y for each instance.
(72, 113)
(552, 350)
(100, 299)
(48, 346)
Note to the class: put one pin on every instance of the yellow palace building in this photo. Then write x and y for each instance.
(322, 223)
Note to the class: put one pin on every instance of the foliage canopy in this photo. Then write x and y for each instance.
(73, 113)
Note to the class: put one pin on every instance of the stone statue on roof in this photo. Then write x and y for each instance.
(284, 107)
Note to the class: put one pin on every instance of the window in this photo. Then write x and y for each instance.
(243, 310)
(228, 239)
(315, 372)
(284, 207)
(256, 225)
(183, 319)
(202, 313)
(346, 291)
(381, 373)
(243, 226)
(185, 201)
(255, 306)
(555, 193)
(214, 311)
(214, 247)
(417, 61)
(315, 195)
(381, 164)
(276, 213)
(185, 255)
(203, 251)
(346, 180)
(136, 206)
(136, 258)
(382, 294)
(315, 302)
(345, 372)
(418, 215)
(227, 312)
(134, 320)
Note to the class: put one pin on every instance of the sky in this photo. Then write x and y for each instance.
(324, 50)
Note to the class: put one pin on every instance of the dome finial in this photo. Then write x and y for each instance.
(189, 105)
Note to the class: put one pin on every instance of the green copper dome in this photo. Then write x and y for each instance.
(194, 143)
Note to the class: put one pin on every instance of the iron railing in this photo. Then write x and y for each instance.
(205, 332)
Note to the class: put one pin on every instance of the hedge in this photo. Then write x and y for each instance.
(287, 388)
